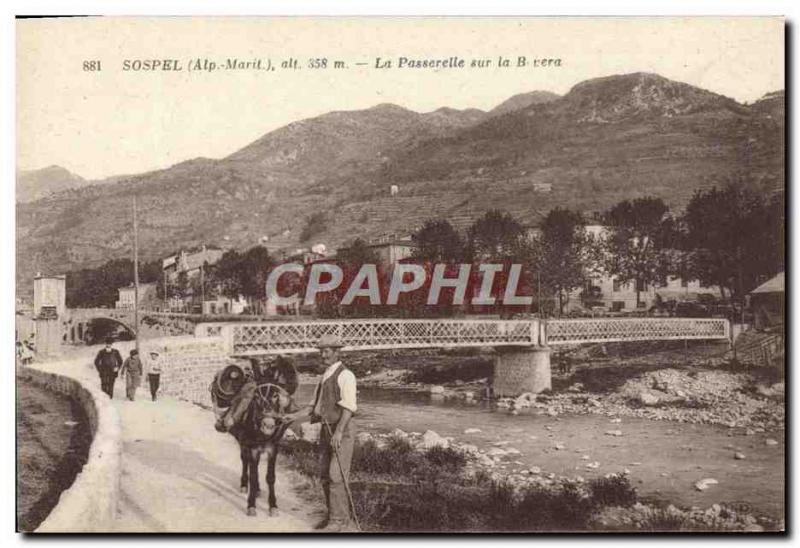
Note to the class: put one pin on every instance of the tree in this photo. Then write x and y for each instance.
(734, 238)
(225, 274)
(641, 235)
(437, 241)
(350, 259)
(496, 236)
(316, 223)
(253, 270)
(90, 287)
(563, 255)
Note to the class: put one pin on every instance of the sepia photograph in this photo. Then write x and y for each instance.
(344, 275)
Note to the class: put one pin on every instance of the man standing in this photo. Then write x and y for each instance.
(154, 373)
(107, 363)
(334, 404)
(132, 370)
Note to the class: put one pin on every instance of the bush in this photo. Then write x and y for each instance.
(446, 457)
(613, 491)
(396, 488)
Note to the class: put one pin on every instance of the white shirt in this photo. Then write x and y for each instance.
(152, 365)
(347, 388)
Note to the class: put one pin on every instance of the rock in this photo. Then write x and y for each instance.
(559, 446)
(552, 412)
(399, 433)
(626, 471)
(616, 433)
(469, 448)
(616, 421)
(363, 437)
(513, 451)
(749, 432)
(535, 470)
(472, 430)
(500, 443)
(739, 456)
(469, 395)
(646, 398)
(577, 387)
(704, 484)
(437, 389)
(770, 442)
(593, 465)
(485, 461)
(585, 457)
(496, 452)
(290, 435)
(432, 439)
(635, 464)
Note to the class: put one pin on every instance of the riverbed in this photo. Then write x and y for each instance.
(663, 459)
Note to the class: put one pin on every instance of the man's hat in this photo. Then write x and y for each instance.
(330, 341)
(154, 352)
(134, 352)
(109, 341)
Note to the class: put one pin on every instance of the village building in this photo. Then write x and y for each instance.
(148, 297)
(767, 303)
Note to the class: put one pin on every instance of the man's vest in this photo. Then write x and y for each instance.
(328, 396)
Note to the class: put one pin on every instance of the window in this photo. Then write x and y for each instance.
(641, 286)
(684, 282)
(616, 306)
(616, 285)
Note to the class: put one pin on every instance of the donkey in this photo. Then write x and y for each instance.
(259, 427)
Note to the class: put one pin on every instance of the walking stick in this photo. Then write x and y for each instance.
(344, 479)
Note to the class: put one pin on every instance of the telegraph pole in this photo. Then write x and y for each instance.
(135, 275)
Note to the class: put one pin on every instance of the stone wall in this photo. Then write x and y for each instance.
(90, 503)
(188, 365)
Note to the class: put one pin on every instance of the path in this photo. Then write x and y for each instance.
(180, 475)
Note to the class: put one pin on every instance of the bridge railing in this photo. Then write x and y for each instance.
(301, 337)
(599, 330)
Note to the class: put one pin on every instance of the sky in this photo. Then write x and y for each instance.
(115, 122)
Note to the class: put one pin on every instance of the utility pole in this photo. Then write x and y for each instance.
(135, 275)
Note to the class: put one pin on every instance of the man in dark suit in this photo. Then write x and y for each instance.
(107, 362)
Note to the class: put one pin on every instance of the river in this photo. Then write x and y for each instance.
(664, 458)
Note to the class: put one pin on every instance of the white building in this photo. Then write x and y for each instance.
(610, 293)
(127, 300)
(49, 296)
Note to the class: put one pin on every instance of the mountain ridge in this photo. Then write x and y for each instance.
(606, 139)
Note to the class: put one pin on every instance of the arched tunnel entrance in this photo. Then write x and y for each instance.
(97, 330)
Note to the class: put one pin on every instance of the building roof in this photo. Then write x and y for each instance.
(773, 285)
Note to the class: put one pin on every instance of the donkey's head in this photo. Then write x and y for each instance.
(271, 403)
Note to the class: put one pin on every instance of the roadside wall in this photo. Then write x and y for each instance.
(188, 365)
(90, 503)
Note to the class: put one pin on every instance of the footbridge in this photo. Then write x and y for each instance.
(523, 346)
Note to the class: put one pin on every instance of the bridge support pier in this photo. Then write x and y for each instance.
(520, 369)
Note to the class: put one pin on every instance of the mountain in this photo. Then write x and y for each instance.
(607, 139)
(522, 100)
(38, 183)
